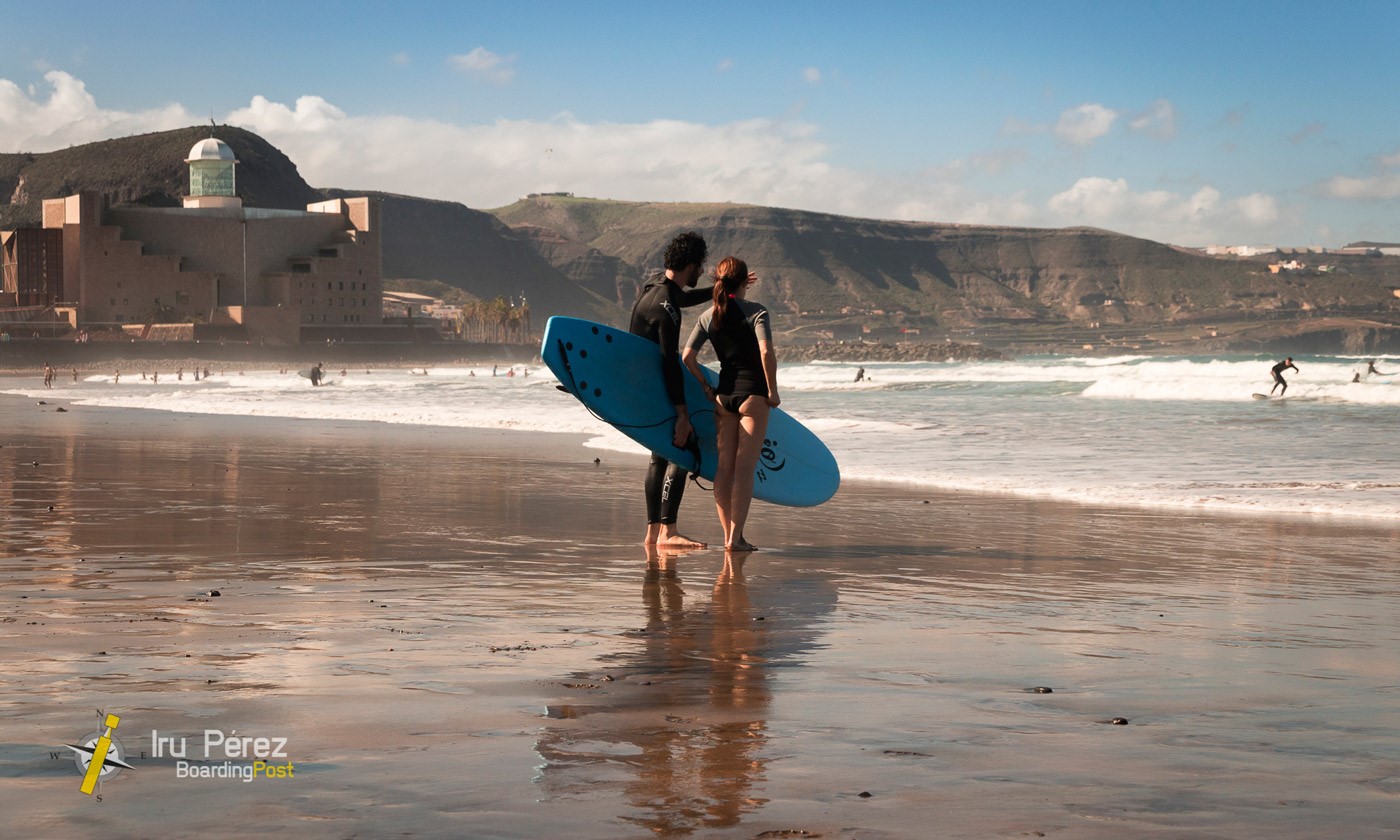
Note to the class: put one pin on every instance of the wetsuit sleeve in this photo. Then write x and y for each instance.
(694, 297)
(761, 327)
(671, 360)
(698, 336)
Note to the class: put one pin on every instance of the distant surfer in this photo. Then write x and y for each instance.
(316, 374)
(748, 390)
(656, 316)
(860, 374)
(1371, 369)
(1277, 371)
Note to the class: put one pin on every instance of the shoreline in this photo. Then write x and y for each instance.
(458, 635)
(575, 442)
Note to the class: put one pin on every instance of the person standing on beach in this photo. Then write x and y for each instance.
(1277, 371)
(48, 376)
(656, 316)
(747, 391)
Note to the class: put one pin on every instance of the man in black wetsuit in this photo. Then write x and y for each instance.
(657, 317)
(1277, 371)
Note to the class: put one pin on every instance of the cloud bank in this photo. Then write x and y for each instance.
(763, 161)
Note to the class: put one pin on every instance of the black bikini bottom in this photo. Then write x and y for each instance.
(732, 402)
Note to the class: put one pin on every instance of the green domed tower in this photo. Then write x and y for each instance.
(212, 181)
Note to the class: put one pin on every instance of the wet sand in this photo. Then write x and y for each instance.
(459, 636)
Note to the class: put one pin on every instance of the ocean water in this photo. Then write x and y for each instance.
(1157, 431)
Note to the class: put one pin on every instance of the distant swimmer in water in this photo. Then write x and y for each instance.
(1356, 377)
(1371, 369)
(1277, 371)
(860, 374)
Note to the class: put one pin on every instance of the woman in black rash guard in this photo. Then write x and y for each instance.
(748, 388)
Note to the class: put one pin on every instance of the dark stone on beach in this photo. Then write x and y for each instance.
(865, 794)
(214, 593)
(41, 402)
(1119, 721)
(1041, 689)
(62, 409)
(50, 507)
(102, 653)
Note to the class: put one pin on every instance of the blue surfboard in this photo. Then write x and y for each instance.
(617, 376)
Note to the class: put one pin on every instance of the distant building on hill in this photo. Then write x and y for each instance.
(233, 271)
(1239, 250)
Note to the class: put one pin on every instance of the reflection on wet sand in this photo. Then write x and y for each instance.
(682, 715)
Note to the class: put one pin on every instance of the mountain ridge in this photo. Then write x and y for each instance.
(827, 275)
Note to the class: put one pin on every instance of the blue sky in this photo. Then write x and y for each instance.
(1192, 123)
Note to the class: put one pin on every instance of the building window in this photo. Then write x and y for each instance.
(114, 301)
(342, 285)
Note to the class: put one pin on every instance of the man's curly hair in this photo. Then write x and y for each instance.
(687, 249)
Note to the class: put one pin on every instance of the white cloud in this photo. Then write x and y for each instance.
(771, 162)
(1381, 186)
(70, 115)
(1378, 188)
(1083, 125)
(1163, 215)
(1159, 120)
(485, 65)
(812, 74)
(1312, 129)
(399, 58)
(725, 65)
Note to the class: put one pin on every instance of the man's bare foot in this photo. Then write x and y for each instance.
(675, 541)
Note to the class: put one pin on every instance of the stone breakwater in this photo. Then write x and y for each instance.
(900, 352)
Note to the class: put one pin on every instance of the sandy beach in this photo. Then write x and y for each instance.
(458, 634)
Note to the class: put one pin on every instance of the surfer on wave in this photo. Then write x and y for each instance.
(748, 389)
(1277, 371)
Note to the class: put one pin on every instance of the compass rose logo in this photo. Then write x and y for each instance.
(99, 756)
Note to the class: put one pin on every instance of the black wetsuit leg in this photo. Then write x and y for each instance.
(665, 484)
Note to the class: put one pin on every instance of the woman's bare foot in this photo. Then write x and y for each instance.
(741, 545)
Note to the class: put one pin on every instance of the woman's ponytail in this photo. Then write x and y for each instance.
(730, 277)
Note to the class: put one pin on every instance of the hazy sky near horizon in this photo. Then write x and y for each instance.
(1189, 122)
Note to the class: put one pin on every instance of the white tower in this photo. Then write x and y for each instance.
(211, 175)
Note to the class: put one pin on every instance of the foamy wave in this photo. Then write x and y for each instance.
(1271, 499)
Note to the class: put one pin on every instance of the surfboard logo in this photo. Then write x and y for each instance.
(769, 459)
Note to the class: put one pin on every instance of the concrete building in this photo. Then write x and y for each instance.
(213, 262)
